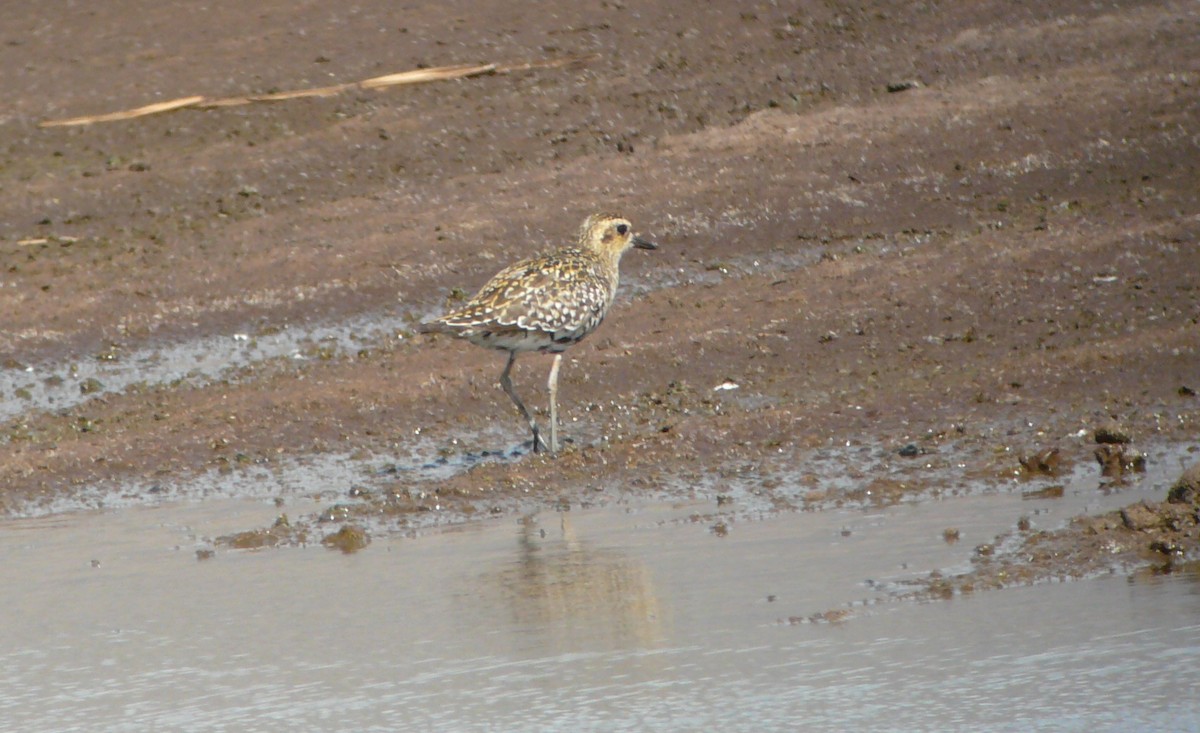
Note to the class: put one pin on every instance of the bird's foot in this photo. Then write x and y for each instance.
(540, 444)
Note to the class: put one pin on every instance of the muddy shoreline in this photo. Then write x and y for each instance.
(983, 265)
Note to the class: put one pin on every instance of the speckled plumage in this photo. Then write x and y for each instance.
(546, 303)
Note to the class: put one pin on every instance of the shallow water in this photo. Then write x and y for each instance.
(628, 618)
(57, 385)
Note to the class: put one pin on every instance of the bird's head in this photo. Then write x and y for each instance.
(610, 234)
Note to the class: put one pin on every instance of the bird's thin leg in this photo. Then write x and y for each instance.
(552, 383)
(506, 383)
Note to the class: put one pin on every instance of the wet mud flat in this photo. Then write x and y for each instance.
(1000, 255)
(616, 611)
(913, 261)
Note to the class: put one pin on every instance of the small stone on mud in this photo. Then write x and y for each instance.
(723, 499)
(348, 539)
(902, 86)
(91, 385)
(335, 513)
(1024, 524)
(109, 354)
(1168, 547)
(720, 529)
(1186, 489)
(985, 550)
(1115, 461)
(1139, 517)
(205, 554)
(1112, 432)
(951, 535)
(1043, 462)
(909, 451)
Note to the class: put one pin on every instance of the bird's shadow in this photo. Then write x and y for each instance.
(462, 461)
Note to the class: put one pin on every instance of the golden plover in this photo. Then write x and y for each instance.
(546, 304)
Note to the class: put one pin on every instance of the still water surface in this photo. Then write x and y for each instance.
(608, 620)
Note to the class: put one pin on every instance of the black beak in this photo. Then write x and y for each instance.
(644, 243)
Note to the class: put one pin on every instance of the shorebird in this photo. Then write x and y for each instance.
(546, 304)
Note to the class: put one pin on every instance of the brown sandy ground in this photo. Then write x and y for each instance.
(981, 263)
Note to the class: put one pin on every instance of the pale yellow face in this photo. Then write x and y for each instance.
(610, 234)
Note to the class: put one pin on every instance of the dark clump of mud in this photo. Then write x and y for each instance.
(1187, 489)
(280, 533)
(1116, 460)
(1048, 462)
(1162, 535)
(349, 539)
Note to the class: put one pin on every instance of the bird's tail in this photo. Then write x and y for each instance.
(436, 326)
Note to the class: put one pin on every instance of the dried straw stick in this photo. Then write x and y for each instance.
(126, 114)
(275, 96)
(416, 76)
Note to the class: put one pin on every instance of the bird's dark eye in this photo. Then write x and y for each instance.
(622, 229)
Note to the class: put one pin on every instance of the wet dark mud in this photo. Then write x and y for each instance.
(907, 253)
